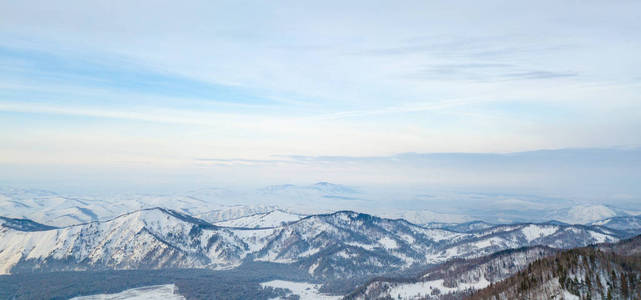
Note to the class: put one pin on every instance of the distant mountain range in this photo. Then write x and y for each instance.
(414, 254)
(212, 205)
(327, 247)
(460, 227)
(341, 250)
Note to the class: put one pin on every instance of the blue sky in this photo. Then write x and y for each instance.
(161, 87)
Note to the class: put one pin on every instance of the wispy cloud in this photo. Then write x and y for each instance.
(95, 112)
(113, 73)
(485, 72)
(539, 75)
(138, 113)
(241, 161)
(413, 107)
(481, 59)
(499, 47)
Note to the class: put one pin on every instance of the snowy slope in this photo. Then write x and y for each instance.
(273, 218)
(458, 276)
(453, 277)
(232, 212)
(484, 242)
(606, 272)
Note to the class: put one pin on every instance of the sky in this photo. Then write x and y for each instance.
(168, 94)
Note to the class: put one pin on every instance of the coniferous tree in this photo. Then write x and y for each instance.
(624, 285)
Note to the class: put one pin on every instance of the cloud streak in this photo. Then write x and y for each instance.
(486, 72)
(113, 73)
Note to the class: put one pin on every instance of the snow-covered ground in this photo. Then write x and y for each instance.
(421, 289)
(165, 292)
(306, 291)
(569, 296)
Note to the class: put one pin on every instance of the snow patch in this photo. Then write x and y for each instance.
(366, 247)
(165, 292)
(306, 291)
(388, 243)
(274, 218)
(600, 238)
(312, 268)
(422, 289)
(533, 232)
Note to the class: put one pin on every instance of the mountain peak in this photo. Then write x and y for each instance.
(159, 215)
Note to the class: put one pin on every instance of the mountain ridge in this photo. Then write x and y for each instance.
(342, 244)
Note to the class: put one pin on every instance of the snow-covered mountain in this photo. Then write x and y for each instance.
(453, 278)
(150, 238)
(344, 244)
(583, 214)
(483, 242)
(527, 273)
(347, 244)
(610, 272)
